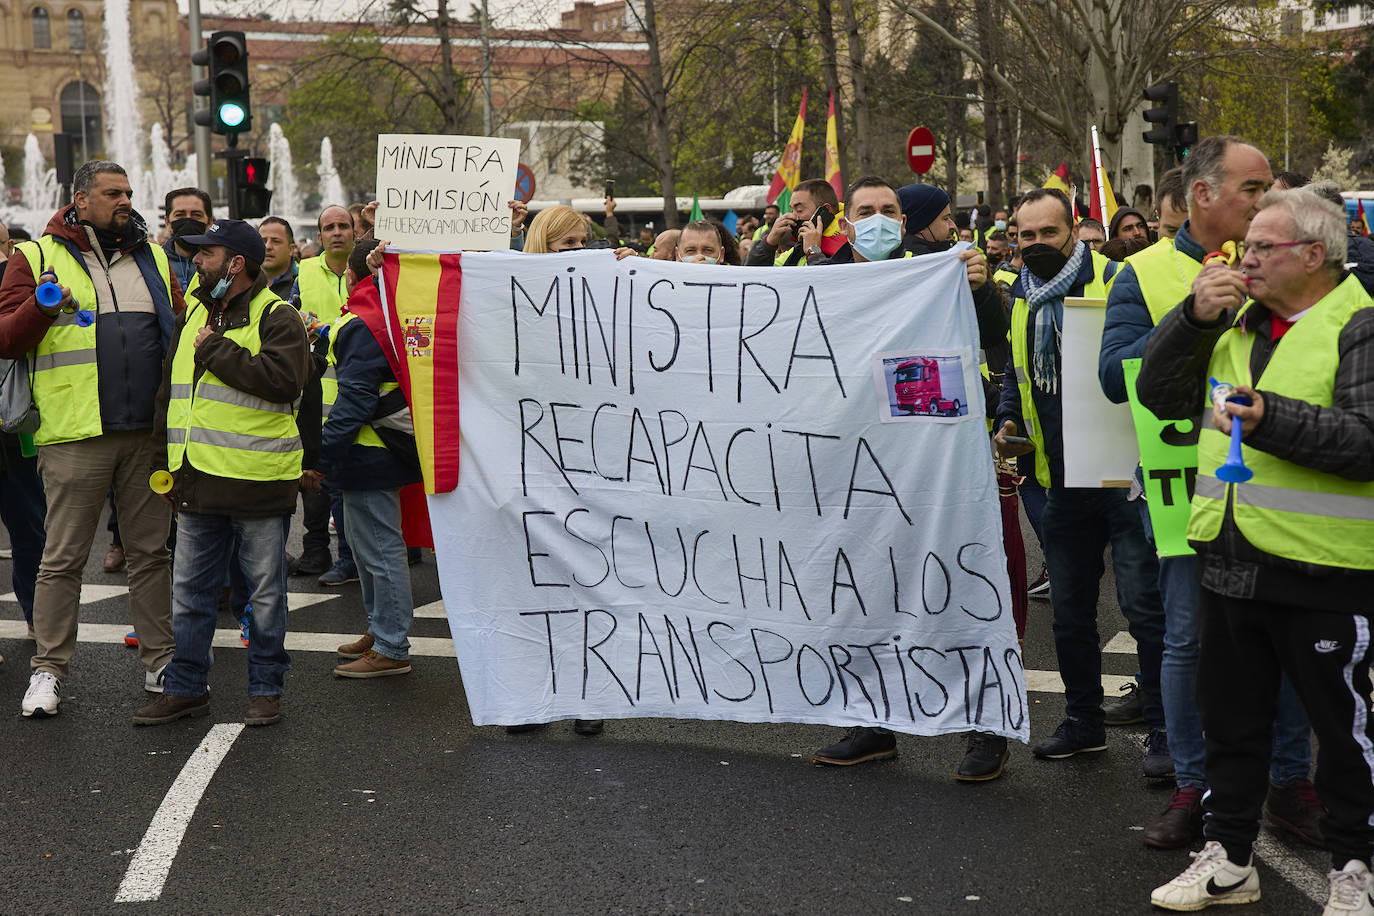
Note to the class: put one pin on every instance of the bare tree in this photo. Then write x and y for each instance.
(1106, 50)
(687, 51)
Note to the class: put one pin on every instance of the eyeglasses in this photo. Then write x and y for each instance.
(1263, 250)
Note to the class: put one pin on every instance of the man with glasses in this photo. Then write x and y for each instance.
(1286, 557)
(1223, 179)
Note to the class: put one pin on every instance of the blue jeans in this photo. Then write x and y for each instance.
(336, 509)
(23, 509)
(1178, 587)
(1079, 524)
(374, 518)
(1291, 758)
(205, 547)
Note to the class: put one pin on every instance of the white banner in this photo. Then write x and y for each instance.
(445, 193)
(1100, 447)
(760, 494)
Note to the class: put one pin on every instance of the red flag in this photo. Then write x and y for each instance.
(420, 295)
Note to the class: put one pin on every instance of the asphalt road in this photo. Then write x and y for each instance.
(380, 796)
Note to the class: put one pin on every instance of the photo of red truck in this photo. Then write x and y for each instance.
(918, 389)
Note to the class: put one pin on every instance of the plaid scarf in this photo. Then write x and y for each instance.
(1046, 302)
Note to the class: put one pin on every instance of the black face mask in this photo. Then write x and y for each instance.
(938, 245)
(1045, 261)
(186, 226)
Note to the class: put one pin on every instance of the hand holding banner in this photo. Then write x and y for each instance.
(445, 193)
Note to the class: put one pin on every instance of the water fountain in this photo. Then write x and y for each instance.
(331, 187)
(151, 174)
(121, 100)
(281, 178)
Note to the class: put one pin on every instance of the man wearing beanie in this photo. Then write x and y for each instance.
(226, 412)
(930, 228)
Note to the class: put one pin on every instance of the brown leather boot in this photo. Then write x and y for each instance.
(356, 648)
(370, 664)
(167, 708)
(263, 711)
(114, 560)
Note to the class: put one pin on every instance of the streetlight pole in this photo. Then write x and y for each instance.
(81, 89)
(201, 131)
(486, 70)
(774, 45)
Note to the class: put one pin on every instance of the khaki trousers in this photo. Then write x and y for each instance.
(76, 477)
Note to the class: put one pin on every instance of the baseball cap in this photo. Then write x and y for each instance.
(233, 234)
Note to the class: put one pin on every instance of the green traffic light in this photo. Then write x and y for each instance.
(231, 114)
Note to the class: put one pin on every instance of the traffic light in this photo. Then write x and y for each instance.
(229, 112)
(249, 197)
(1164, 113)
(1185, 136)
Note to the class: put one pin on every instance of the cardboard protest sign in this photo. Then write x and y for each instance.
(1099, 441)
(445, 193)
(697, 492)
(1168, 462)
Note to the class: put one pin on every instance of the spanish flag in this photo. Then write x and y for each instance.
(1364, 217)
(789, 166)
(832, 151)
(420, 295)
(1060, 178)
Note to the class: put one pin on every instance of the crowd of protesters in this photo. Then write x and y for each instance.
(207, 378)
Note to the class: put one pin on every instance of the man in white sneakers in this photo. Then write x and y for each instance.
(1286, 546)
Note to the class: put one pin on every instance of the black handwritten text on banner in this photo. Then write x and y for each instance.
(698, 492)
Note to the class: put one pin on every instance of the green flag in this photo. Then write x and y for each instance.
(784, 201)
(696, 213)
(1168, 461)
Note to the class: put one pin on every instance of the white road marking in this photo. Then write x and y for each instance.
(90, 594)
(1122, 644)
(1291, 868)
(435, 609)
(1050, 682)
(152, 861)
(113, 634)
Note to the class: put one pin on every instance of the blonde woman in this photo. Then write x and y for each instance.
(558, 228)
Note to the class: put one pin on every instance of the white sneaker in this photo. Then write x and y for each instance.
(1212, 878)
(41, 698)
(152, 680)
(1350, 891)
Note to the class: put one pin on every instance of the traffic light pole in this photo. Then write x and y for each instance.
(201, 132)
(229, 155)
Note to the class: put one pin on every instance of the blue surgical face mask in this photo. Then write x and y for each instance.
(220, 288)
(1000, 224)
(876, 236)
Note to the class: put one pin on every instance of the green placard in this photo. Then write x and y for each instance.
(1168, 458)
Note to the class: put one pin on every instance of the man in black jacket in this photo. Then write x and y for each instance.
(1284, 552)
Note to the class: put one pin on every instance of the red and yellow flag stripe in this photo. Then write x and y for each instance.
(422, 295)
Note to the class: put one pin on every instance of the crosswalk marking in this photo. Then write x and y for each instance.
(433, 647)
(93, 594)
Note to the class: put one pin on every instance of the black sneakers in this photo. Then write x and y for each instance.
(859, 745)
(1040, 586)
(1159, 763)
(1071, 737)
(1129, 710)
(987, 754)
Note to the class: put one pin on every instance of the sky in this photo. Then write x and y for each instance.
(504, 13)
